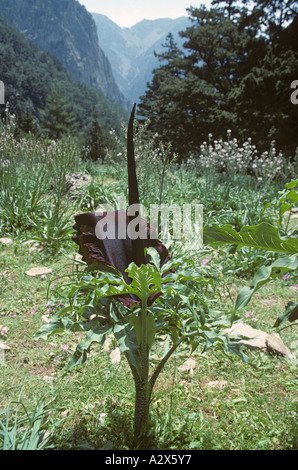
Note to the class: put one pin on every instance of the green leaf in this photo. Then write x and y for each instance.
(292, 184)
(136, 321)
(78, 358)
(146, 280)
(96, 334)
(128, 343)
(264, 275)
(154, 256)
(263, 236)
(57, 325)
(290, 314)
(285, 200)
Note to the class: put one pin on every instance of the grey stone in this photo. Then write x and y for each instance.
(4, 347)
(48, 378)
(294, 288)
(256, 339)
(275, 345)
(188, 366)
(106, 346)
(217, 384)
(248, 336)
(38, 271)
(115, 356)
(75, 257)
(33, 246)
(78, 180)
(6, 241)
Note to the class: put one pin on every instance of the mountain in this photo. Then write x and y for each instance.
(30, 74)
(131, 50)
(66, 30)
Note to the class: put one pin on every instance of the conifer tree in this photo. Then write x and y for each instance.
(26, 124)
(96, 140)
(162, 103)
(58, 117)
(235, 71)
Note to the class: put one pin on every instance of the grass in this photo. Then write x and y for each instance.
(222, 404)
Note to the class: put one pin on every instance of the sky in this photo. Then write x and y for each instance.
(127, 13)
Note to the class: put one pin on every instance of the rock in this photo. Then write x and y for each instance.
(293, 213)
(38, 272)
(102, 418)
(48, 378)
(3, 350)
(294, 288)
(217, 384)
(248, 336)
(75, 257)
(78, 180)
(115, 356)
(3, 347)
(6, 241)
(294, 347)
(188, 366)
(3, 330)
(106, 346)
(276, 346)
(154, 357)
(30, 242)
(46, 319)
(256, 339)
(33, 246)
(269, 302)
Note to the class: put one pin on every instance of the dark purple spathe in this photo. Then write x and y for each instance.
(116, 252)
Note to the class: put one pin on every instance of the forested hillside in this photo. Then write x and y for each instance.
(234, 72)
(65, 28)
(32, 77)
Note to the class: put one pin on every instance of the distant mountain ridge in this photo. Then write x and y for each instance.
(65, 29)
(30, 75)
(131, 50)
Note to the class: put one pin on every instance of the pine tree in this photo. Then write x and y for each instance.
(190, 95)
(26, 124)
(234, 72)
(261, 99)
(162, 103)
(96, 140)
(58, 117)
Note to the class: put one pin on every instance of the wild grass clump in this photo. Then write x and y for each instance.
(33, 185)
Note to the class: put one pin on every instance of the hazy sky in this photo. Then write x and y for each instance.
(129, 12)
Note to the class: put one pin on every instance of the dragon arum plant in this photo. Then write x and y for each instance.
(135, 290)
(158, 300)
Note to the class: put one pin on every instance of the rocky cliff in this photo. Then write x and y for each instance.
(131, 50)
(65, 29)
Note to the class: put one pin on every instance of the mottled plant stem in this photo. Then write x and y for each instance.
(142, 399)
(143, 389)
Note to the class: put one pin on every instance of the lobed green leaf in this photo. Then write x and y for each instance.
(263, 236)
